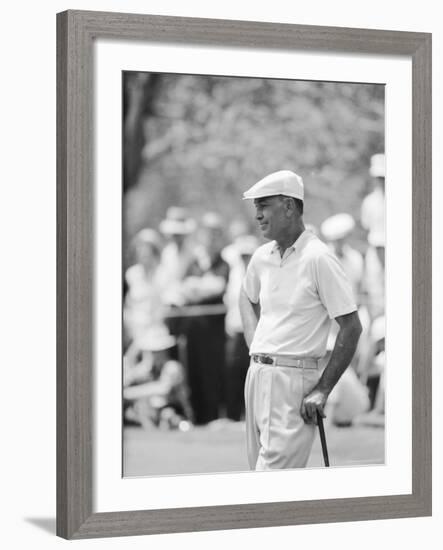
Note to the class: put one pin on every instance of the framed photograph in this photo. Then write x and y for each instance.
(164, 124)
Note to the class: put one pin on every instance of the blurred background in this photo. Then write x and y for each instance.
(192, 144)
(200, 141)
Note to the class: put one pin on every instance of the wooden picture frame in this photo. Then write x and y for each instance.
(76, 32)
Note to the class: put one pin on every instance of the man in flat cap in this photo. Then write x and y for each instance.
(293, 288)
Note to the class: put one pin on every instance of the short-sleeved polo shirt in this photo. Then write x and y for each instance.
(299, 295)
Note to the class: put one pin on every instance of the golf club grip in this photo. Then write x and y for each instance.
(324, 447)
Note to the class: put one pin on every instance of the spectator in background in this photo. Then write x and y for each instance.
(374, 375)
(374, 289)
(237, 353)
(349, 397)
(373, 220)
(205, 279)
(336, 230)
(347, 401)
(372, 361)
(177, 254)
(143, 307)
(373, 205)
(237, 230)
(155, 390)
(204, 286)
(374, 276)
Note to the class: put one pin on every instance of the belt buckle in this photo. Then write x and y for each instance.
(263, 359)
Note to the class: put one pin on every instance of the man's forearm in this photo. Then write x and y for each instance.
(341, 357)
(249, 317)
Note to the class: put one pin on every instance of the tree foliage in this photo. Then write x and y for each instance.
(207, 139)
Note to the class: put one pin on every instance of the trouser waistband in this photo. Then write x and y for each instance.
(285, 361)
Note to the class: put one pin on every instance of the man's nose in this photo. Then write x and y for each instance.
(258, 215)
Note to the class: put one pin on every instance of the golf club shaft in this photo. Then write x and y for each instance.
(324, 447)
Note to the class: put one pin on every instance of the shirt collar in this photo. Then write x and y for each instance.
(296, 244)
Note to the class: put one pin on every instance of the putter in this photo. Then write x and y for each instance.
(324, 447)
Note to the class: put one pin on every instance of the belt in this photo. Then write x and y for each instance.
(281, 361)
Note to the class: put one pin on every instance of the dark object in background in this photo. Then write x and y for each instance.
(206, 364)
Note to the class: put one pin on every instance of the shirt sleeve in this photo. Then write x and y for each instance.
(334, 288)
(251, 282)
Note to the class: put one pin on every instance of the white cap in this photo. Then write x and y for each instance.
(377, 168)
(338, 226)
(283, 182)
(177, 222)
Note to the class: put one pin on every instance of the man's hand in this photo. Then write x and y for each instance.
(313, 402)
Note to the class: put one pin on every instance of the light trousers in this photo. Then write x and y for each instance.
(276, 434)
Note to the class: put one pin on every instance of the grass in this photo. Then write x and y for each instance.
(220, 447)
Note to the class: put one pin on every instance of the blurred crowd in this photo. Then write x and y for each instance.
(185, 358)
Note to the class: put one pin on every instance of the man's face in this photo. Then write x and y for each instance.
(271, 214)
(380, 183)
(212, 239)
(146, 254)
(178, 238)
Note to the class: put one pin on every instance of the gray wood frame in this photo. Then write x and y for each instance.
(76, 31)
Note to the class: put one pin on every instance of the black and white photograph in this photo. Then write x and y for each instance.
(218, 223)
(253, 274)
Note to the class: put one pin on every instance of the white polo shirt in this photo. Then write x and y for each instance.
(299, 296)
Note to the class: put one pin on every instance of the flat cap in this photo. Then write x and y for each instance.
(283, 182)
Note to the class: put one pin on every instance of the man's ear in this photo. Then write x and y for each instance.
(289, 206)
